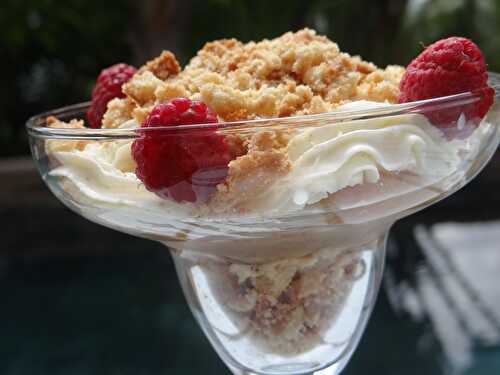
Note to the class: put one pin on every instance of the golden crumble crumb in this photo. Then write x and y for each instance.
(169, 91)
(317, 105)
(140, 113)
(381, 85)
(141, 88)
(54, 122)
(236, 145)
(268, 140)
(119, 111)
(364, 67)
(251, 174)
(164, 66)
(295, 74)
(63, 145)
(222, 99)
(238, 114)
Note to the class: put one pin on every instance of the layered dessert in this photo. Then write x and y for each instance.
(286, 306)
(250, 169)
(281, 127)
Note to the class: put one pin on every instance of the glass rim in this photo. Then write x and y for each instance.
(36, 125)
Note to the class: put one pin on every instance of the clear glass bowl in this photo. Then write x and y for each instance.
(281, 270)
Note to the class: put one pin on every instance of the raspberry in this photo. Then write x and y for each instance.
(184, 165)
(449, 66)
(108, 86)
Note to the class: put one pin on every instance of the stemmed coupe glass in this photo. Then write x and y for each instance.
(277, 291)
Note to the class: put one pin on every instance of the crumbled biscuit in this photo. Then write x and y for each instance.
(287, 305)
(224, 100)
(119, 111)
(140, 113)
(364, 67)
(168, 91)
(268, 140)
(54, 122)
(236, 144)
(141, 88)
(317, 105)
(54, 145)
(251, 174)
(381, 85)
(164, 66)
(295, 74)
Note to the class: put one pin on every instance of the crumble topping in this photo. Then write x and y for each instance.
(163, 66)
(62, 145)
(252, 173)
(119, 111)
(381, 85)
(294, 74)
(141, 88)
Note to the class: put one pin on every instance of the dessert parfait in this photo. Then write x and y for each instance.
(273, 171)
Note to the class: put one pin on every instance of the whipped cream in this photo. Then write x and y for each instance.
(324, 160)
(105, 172)
(330, 158)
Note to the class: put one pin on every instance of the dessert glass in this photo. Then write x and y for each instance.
(278, 291)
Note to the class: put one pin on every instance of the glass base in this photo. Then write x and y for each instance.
(289, 316)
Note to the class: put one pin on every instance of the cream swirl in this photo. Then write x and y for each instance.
(329, 158)
(103, 172)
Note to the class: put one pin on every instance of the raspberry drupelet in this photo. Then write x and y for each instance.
(184, 165)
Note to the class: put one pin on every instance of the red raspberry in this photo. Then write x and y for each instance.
(449, 66)
(181, 164)
(108, 86)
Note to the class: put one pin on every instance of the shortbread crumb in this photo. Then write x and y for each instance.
(288, 304)
(63, 145)
(141, 88)
(295, 74)
(381, 85)
(251, 174)
(164, 66)
(119, 111)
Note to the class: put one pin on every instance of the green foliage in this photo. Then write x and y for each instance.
(51, 53)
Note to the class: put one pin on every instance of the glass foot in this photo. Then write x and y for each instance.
(302, 315)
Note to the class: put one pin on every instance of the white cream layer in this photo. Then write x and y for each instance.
(324, 159)
(105, 172)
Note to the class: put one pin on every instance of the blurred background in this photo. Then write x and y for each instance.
(81, 299)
